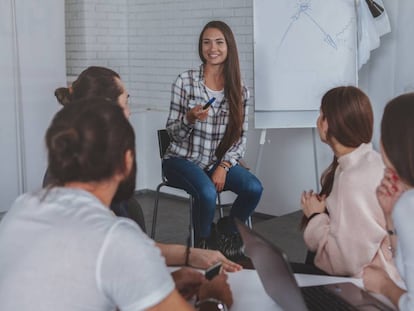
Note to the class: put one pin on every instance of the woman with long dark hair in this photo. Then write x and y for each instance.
(396, 197)
(208, 143)
(344, 223)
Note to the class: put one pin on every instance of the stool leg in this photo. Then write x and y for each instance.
(191, 223)
(221, 210)
(249, 222)
(155, 211)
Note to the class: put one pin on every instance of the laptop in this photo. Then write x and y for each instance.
(278, 280)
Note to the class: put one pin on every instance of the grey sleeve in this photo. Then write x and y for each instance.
(131, 271)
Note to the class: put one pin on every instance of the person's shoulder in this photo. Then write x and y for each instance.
(406, 199)
(26, 197)
(374, 157)
(125, 229)
(366, 171)
(188, 79)
(372, 162)
(402, 213)
(20, 204)
(366, 158)
(30, 199)
(193, 73)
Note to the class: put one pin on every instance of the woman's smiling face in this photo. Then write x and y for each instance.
(214, 46)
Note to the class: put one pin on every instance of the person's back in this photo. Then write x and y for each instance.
(345, 214)
(64, 250)
(353, 204)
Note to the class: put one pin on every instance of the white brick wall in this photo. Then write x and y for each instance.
(96, 34)
(149, 42)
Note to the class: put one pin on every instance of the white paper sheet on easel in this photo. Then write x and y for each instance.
(302, 49)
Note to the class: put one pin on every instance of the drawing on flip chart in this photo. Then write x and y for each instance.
(304, 11)
(301, 48)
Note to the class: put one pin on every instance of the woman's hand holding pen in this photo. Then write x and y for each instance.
(197, 113)
(312, 203)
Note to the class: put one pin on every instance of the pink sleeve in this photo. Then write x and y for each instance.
(353, 234)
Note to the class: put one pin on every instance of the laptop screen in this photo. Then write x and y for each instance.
(273, 269)
(280, 284)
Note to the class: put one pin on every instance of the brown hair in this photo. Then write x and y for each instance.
(350, 121)
(348, 112)
(397, 135)
(92, 82)
(232, 86)
(87, 141)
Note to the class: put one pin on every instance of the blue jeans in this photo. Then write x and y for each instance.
(186, 175)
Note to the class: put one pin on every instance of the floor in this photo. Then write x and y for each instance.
(172, 224)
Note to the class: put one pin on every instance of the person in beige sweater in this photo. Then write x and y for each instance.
(345, 226)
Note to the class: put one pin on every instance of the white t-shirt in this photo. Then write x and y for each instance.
(219, 95)
(61, 249)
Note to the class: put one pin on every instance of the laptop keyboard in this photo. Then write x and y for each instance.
(318, 298)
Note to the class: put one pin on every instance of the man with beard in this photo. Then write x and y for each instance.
(63, 249)
(103, 82)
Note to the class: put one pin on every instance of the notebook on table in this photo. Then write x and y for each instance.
(279, 282)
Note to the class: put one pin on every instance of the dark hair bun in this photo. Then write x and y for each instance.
(87, 141)
(63, 95)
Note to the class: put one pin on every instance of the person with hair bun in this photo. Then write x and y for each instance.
(63, 249)
(344, 224)
(96, 81)
(105, 83)
(396, 198)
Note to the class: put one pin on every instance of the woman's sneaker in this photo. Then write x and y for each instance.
(231, 246)
(229, 241)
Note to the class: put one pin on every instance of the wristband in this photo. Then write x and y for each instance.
(187, 252)
(226, 168)
(221, 306)
(313, 215)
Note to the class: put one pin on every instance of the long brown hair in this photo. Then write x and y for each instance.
(350, 121)
(397, 135)
(232, 86)
(348, 112)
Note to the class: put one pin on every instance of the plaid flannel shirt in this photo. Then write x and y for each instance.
(198, 142)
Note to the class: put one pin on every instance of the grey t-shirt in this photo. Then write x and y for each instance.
(61, 249)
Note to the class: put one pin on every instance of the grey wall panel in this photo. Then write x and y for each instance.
(32, 62)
